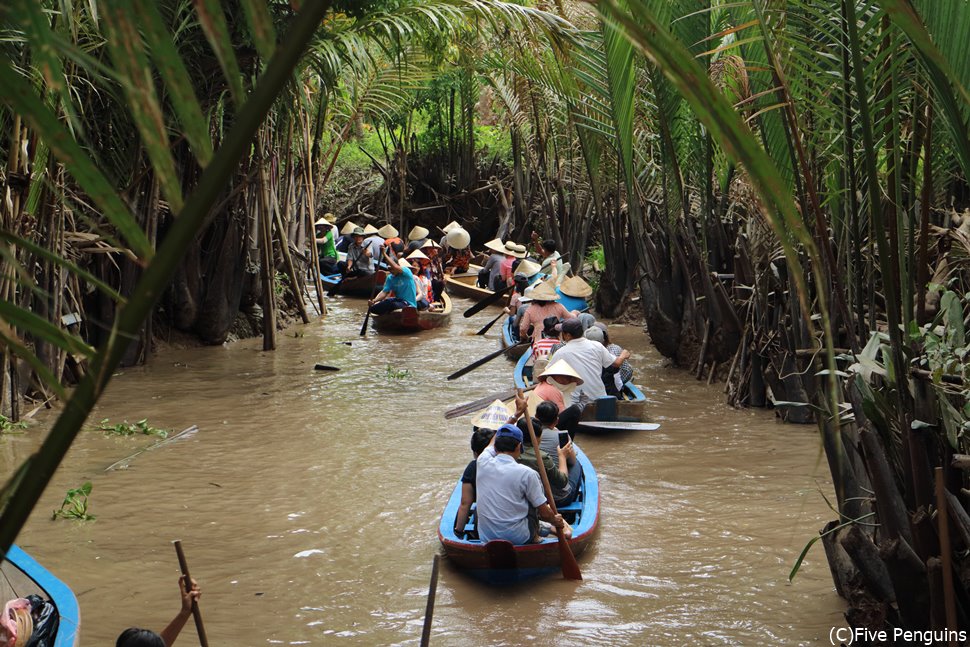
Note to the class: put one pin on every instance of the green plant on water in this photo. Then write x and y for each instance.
(126, 428)
(392, 373)
(595, 261)
(7, 425)
(280, 284)
(75, 504)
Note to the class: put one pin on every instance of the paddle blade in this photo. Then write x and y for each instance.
(487, 301)
(471, 367)
(363, 327)
(324, 367)
(570, 567)
(489, 325)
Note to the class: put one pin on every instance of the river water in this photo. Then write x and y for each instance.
(308, 504)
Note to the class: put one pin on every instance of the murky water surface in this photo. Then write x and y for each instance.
(308, 502)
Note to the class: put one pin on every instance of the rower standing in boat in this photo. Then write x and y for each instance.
(399, 289)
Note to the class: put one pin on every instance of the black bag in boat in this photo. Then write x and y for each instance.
(46, 621)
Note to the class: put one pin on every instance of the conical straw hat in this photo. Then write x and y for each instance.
(458, 238)
(348, 228)
(561, 367)
(494, 416)
(528, 268)
(451, 225)
(403, 262)
(417, 254)
(418, 233)
(430, 243)
(544, 292)
(496, 245)
(387, 231)
(370, 229)
(576, 287)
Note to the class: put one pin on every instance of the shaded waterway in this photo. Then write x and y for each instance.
(308, 504)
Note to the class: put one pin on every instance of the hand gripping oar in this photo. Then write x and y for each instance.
(196, 614)
(488, 358)
(487, 301)
(570, 569)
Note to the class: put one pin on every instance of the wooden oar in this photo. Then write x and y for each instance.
(481, 403)
(429, 609)
(487, 301)
(488, 358)
(373, 293)
(570, 568)
(324, 367)
(196, 614)
(491, 323)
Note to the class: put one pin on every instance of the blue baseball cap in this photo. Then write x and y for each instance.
(509, 431)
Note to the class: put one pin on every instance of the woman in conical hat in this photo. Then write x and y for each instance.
(544, 304)
(555, 383)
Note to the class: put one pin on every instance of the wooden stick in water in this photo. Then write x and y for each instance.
(196, 614)
(429, 610)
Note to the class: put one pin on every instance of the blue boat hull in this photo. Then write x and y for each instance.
(26, 576)
(501, 563)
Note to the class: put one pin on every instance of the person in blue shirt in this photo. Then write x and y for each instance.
(399, 289)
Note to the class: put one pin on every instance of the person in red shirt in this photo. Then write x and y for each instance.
(553, 383)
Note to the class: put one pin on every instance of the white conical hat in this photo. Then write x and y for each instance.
(417, 254)
(387, 231)
(528, 268)
(348, 228)
(458, 238)
(451, 225)
(418, 233)
(496, 245)
(494, 416)
(430, 243)
(403, 262)
(561, 367)
(544, 292)
(370, 229)
(576, 287)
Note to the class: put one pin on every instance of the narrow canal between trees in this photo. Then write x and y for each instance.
(308, 504)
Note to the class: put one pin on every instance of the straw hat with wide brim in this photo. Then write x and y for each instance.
(496, 245)
(561, 368)
(327, 218)
(494, 416)
(514, 249)
(576, 287)
(528, 268)
(403, 262)
(387, 231)
(417, 254)
(544, 292)
(370, 229)
(458, 238)
(430, 243)
(451, 225)
(348, 228)
(418, 233)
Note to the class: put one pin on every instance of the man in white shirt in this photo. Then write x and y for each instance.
(588, 359)
(510, 494)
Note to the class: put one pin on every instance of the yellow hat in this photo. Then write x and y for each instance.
(576, 287)
(418, 233)
(494, 416)
(370, 229)
(348, 228)
(387, 231)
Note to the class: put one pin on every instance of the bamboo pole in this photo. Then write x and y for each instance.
(942, 519)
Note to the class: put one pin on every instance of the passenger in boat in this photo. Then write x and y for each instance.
(375, 244)
(513, 253)
(458, 256)
(346, 237)
(484, 426)
(614, 377)
(490, 276)
(422, 271)
(510, 495)
(445, 230)
(557, 444)
(134, 637)
(551, 259)
(557, 470)
(399, 289)
(416, 238)
(588, 359)
(543, 305)
(548, 339)
(391, 238)
(359, 258)
(324, 230)
(556, 383)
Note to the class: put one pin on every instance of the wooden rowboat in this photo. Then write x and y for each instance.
(466, 285)
(21, 575)
(413, 320)
(510, 337)
(355, 286)
(599, 416)
(501, 562)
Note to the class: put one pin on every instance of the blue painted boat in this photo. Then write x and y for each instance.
(21, 575)
(501, 562)
(510, 337)
(628, 407)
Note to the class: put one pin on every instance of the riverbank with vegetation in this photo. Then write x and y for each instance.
(781, 188)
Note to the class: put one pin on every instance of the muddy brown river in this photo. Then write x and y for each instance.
(308, 504)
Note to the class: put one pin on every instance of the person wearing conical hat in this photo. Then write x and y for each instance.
(391, 239)
(490, 276)
(399, 289)
(358, 262)
(513, 253)
(544, 304)
(588, 358)
(346, 237)
(324, 229)
(555, 383)
(416, 238)
(458, 255)
(374, 243)
(421, 268)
